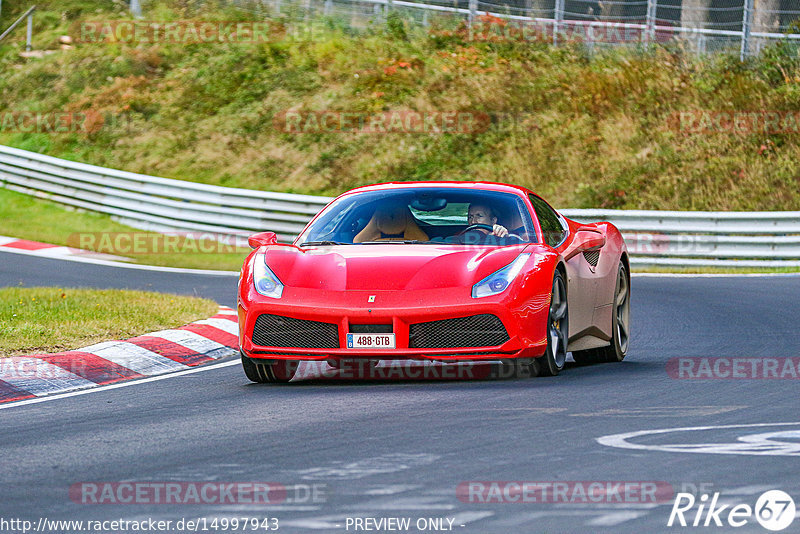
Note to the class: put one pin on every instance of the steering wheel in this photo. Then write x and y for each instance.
(477, 227)
(488, 227)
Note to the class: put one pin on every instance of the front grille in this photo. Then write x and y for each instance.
(370, 329)
(277, 331)
(475, 331)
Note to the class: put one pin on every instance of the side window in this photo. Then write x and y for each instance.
(552, 229)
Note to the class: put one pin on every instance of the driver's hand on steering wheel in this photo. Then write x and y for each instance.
(499, 231)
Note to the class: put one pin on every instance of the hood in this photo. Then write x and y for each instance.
(386, 267)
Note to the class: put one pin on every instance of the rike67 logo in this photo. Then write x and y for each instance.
(774, 510)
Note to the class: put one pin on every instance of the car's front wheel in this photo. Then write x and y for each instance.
(268, 370)
(620, 325)
(555, 354)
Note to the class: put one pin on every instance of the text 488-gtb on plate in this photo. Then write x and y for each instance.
(370, 341)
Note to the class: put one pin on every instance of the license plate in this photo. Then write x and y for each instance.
(370, 341)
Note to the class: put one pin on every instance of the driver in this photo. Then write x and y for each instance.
(483, 214)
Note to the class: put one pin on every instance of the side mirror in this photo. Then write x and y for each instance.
(264, 238)
(585, 241)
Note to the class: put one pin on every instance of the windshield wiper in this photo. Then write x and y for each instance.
(397, 242)
(310, 243)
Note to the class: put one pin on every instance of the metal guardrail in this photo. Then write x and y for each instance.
(154, 203)
(673, 238)
(29, 15)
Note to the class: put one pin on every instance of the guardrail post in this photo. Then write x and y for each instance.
(29, 33)
(558, 16)
(136, 9)
(650, 31)
(16, 23)
(473, 13)
(747, 20)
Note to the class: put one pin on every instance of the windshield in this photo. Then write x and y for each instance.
(423, 215)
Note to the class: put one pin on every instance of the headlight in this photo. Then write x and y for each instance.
(498, 281)
(264, 280)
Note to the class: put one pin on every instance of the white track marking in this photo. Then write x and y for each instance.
(134, 357)
(391, 490)
(61, 252)
(422, 502)
(39, 377)
(119, 385)
(52, 251)
(749, 490)
(225, 325)
(387, 463)
(661, 411)
(194, 341)
(612, 519)
(751, 445)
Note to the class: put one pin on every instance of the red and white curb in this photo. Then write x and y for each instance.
(115, 361)
(35, 248)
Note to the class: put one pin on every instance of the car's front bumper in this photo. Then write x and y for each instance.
(524, 320)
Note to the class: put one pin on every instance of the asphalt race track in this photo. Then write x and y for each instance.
(374, 451)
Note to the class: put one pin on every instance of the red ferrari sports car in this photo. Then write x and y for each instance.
(445, 271)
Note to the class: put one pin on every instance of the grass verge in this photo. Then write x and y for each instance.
(44, 320)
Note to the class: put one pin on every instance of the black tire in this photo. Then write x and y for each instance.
(274, 371)
(253, 371)
(620, 325)
(555, 355)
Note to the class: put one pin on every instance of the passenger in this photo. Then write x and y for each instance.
(391, 223)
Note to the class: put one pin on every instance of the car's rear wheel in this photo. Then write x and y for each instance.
(269, 370)
(555, 355)
(620, 325)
